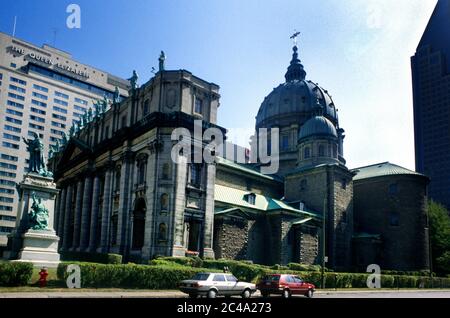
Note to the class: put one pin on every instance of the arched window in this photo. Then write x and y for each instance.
(166, 171)
(141, 172)
(146, 107)
(321, 151)
(164, 202)
(307, 153)
(162, 233)
(117, 180)
(195, 174)
(138, 224)
(303, 184)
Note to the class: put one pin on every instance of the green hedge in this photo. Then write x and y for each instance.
(130, 275)
(185, 261)
(103, 258)
(15, 273)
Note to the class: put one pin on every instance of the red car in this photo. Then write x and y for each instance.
(284, 285)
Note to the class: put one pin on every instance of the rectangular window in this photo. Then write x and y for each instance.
(56, 124)
(285, 142)
(15, 96)
(60, 102)
(8, 218)
(77, 115)
(14, 112)
(34, 126)
(41, 96)
(11, 137)
(81, 101)
(56, 132)
(198, 105)
(17, 88)
(40, 88)
(81, 109)
(31, 134)
(38, 103)
(7, 191)
(62, 95)
(14, 104)
(9, 166)
(9, 157)
(8, 182)
(10, 145)
(17, 80)
(38, 111)
(13, 120)
(11, 128)
(38, 119)
(7, 174)
(60, 117)
(6, 200)
(5, 208)
(59, 109)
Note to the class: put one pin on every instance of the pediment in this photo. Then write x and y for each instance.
(74, 149)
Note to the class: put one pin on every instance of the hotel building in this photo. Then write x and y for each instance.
(43, 90)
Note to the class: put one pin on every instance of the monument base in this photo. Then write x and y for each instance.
(40, 248)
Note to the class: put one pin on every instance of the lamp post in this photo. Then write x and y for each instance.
(324, 214)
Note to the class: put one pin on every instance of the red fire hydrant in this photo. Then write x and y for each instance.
(43, 277)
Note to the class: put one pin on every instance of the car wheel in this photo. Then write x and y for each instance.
(286, 293)
(212, 293)
(310, 293)
(246, 294)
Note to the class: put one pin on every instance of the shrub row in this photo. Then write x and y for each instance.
(15, 273)
(130, 275)
(167, 275)
(102, 258)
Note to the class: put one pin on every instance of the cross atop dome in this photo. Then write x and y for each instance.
(295, 70)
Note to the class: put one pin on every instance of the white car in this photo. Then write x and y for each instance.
(216, 284)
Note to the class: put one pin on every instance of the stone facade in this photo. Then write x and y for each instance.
(393, 208)
(121, 190)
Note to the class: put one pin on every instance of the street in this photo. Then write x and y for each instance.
(444, 293)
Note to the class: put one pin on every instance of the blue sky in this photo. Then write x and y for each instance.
(359, 50)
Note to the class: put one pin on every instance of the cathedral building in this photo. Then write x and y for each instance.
(122, 192)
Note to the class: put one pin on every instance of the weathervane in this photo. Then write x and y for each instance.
(294, 37)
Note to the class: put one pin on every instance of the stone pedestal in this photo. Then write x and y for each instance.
(39, 247)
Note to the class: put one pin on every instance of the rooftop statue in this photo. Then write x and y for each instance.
(116, 98)
(37, 161)
(162, 58)
(38, 215)
(90, 115)
(104, 104)
(133, 80)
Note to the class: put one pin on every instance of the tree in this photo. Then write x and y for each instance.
(439, 235)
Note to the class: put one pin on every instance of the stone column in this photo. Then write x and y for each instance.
(85, 213)
(56, 212)
(67, 217)
(77, 218)
(208, 222)
(106, 211)
(94, 214)
(61, 209)
(125, 182)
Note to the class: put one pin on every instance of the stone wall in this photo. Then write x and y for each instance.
(231, 238)
(404, 247)
(308, 239)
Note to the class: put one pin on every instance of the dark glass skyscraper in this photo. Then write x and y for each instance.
(431, 93)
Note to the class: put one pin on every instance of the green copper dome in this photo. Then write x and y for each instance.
(317, 126)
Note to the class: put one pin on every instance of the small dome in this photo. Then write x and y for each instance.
(317, 126)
